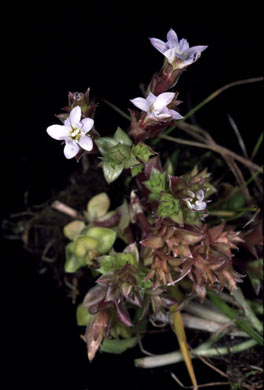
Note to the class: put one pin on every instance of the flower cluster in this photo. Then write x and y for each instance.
(166, 240)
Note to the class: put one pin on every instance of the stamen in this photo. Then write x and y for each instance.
(75, 134)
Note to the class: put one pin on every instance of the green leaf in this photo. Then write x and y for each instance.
(154, 196)
(235, 202)
(256, 268)
(121, 137)
(178, 218)
(168, 167)
(83, 244)
(169, 206)
(73, 229)
(124, 211)
(130, 161)
(174, 158)
(119, 153)
(255, 273)
(234, 315)
(98, 205)
(115, 262)
(142, 151)
(73, 263)
(83, 316)
(192, 217)
(118, 346)
(136, 169)
(144, 284)
(105, 144)
(157, 182)
(105, 237)
(112, 170)
(133, 250)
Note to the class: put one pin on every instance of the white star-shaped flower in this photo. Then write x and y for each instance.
(73, 133)
(195, 201)
(156, 106)
(178, 53)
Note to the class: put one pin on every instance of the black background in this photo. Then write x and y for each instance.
(55, 48)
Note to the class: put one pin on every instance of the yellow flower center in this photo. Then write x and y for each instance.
(75, 133)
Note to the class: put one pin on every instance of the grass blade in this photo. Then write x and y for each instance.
(256, 148)
(178, 328)
(219, 91)
(233, 314)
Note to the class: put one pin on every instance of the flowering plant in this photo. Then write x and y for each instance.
(169, 241)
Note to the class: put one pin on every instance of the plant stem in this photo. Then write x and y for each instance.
(216, 148)
(63, 208)
(176, 357)
(220, 90)
(256, 148)
(114, 107)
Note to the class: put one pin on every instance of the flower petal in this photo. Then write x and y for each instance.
(75, 115)
(172, 39)
(87, 124)
(150, 98)
(86, 143)
(200, 195)
(190, 60)
(196, 49)
(58, 132)
(163, 100)
(141, 103)
(175, 114)
(183, 45)
(71, 149)
(158, 44)
(199, 206)
(172, 54)
(193, 54)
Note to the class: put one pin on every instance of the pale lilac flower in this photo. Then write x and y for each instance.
(178, 53)
(73, 133)
(156, 106)
(195, 201)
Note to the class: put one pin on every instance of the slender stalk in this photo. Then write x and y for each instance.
(238, 135)
(216, 148)
(63, 208)
(219, 91)
(176, 357)
(228, 213)
(256, 148)
(114, 107)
